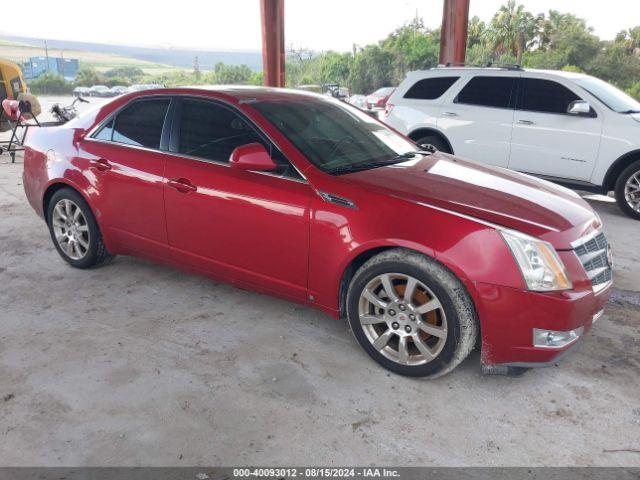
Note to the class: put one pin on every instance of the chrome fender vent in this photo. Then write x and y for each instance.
(344, 202)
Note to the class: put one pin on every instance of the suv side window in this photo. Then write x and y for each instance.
(211, 131)
(430, 88)
(139, 124)
(494, 92)
(547, 96)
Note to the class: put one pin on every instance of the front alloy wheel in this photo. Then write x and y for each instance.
(403, 319)
(411, 314)
(627, 190)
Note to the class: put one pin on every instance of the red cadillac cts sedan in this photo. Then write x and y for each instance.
(298, 195)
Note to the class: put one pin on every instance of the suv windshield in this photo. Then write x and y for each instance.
(333, 135)
(615, 99)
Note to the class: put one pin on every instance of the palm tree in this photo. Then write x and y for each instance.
(512, 30)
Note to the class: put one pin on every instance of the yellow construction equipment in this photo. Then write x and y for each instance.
(13, 87)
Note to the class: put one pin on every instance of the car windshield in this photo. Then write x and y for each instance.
(615, 99)
(333, 135)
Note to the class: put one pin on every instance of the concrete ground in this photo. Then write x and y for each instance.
(139, 364)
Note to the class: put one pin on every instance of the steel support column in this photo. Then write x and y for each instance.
(453, 37)
(273, 42)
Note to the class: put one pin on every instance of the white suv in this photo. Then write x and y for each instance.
(569, 128)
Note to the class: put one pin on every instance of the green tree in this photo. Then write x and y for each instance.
(231, 74)
(512, 30)
(87, 77)
(335, 67)
(564, 39)
(477, 32)
(373, 68)
(50, 84)
(413, 47)
(131, 73)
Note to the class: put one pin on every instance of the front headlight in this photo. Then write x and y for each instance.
(539, 263)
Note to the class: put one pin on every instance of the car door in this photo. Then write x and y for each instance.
(249, 227)
(478, 121)
(546, 139)
(127, 165)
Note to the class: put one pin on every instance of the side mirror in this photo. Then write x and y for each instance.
(252, 156)
(579, 107)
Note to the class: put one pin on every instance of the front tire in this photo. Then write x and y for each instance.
(436, 142)
(627, 190)
(74, 230)
(411, 314)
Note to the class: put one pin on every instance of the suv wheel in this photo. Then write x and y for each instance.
(628, 190)
(74, 230)
(436, 142)
(411, 314)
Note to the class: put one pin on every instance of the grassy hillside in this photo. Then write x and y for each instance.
(19, 52)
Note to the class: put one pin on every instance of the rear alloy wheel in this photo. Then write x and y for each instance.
(411, 314)
(74, 230)
(627, 190)
(70, 229)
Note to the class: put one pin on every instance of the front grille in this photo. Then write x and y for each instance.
(594, 256)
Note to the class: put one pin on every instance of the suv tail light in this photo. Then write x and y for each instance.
(387, 109)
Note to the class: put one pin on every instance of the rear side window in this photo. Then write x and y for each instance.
(139, 124)
(494, 92)
(211, 131)
(430, 88)
(545, 96)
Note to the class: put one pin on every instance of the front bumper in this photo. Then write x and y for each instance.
(508, 317)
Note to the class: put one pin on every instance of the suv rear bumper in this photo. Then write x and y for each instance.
(508, 317)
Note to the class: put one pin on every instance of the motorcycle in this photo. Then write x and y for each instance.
(67, 113)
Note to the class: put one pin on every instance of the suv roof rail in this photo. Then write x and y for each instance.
(505, 66)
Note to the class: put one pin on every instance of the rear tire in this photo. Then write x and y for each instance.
(74, 230)
(436, 142)
(411, 314)
(627, 190)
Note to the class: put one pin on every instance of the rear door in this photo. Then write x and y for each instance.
(478, 121)
(126, 162)
(249, 227)
(549, 141)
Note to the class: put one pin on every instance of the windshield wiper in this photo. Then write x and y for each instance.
(630, 111)
(357, 167)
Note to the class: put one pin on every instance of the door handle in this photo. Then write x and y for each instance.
(450, 114)
(182, 185)
(100, 165)
(526, 122)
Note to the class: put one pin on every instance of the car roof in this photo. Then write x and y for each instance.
(239, 93)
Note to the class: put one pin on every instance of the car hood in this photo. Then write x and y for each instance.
(491, 194)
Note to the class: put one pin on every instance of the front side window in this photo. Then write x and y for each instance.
(546, 96)
(211, 131)
(494, 92)
(333, 135)
(430, 88)
(139, 124)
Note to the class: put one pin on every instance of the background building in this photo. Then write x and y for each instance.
(65, 67)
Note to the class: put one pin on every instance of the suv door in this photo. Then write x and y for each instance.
(479, 120)
(125, 159)
(249, 227)
(549, 141)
